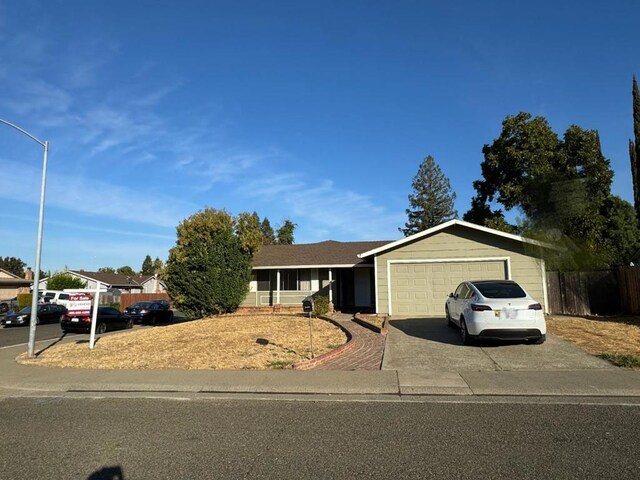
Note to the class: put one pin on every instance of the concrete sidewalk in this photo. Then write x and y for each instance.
(16, 378)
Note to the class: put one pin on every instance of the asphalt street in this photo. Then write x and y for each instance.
(117, 438)
(18, 335)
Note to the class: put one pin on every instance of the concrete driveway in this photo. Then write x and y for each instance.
(427, 344)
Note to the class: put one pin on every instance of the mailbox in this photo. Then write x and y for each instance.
(307, 305)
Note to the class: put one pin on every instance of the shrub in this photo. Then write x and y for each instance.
(208, 271)
(24, 300)
(60, 281)
(321, 305)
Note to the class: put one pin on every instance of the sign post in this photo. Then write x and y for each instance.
(94, 316)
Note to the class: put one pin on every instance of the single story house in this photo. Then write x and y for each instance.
(411, 276)
(124, 283)
(11, 284)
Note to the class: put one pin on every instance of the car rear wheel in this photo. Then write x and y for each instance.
(130, 324)
(101, 328)
(4, 307)
(464, 333)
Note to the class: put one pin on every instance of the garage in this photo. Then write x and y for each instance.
(421, 288)
(414, 275)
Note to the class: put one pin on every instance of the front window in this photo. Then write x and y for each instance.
(304, 280)
(289, 280)
(264, 280)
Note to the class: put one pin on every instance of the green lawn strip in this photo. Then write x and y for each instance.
(625, 361)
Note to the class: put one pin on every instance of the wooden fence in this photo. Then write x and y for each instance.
(128, 299)
(604, 292)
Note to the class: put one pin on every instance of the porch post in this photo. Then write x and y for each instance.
(278, 287)
(331, 285)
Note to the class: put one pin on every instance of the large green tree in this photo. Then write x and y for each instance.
(285, 234)
(208, 270)
(60, 281)
(562, 187)
(634, 147)
(147, 266)
(126, 270)
(13, 265)
(107, 270)
(249, 232)
(158, 266)
(432, 200)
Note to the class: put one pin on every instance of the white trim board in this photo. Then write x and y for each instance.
(507, 261)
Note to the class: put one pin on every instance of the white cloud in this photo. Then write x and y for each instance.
(91, 197)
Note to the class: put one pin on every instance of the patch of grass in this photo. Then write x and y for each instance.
(281, 364)
(625, 361)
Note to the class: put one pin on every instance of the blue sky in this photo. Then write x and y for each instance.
(316, 111)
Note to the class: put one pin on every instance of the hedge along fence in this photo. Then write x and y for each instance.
(603, 292)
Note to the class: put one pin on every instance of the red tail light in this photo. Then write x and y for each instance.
(535, 306)
(85, 319)
(479, 308)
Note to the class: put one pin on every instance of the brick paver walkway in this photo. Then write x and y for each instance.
(367, 350)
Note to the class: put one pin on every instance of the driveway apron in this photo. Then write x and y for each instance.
(428, 344)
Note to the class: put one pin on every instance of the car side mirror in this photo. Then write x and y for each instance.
(451, 295)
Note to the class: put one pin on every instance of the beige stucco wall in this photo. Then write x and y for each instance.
(458, 242)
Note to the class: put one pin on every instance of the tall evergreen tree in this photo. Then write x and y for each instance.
(158, 265)
(634, 147)
(431, 202)
(269, 237)
(147, 266)
(284, 235)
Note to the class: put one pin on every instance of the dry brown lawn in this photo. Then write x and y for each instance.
(616, 335)
(230, 342)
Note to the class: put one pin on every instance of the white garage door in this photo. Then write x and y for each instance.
(422, 288)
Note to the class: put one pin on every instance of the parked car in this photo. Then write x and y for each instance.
(108, 318)
(8, 304)
(150, 312)
(495, 309)
(47, 313)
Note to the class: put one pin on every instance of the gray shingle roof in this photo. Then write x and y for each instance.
(329, 252)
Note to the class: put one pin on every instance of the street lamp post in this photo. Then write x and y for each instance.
(36, 276)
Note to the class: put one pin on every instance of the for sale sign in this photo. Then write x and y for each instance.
(79, 304)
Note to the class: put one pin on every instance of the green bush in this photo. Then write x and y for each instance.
(24, 300)
(208, 271)
(321, 305)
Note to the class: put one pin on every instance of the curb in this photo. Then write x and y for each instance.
(362, 321)
(325, 357)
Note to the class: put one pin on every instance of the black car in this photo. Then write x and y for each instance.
(150, 312)
(109, 318)
(47, 313)
(8, 304)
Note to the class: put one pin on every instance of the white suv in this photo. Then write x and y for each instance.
(496, 309)
(53, 296)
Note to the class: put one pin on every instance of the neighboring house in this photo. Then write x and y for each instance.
(411, 276)
(124, 283)
(11, 285)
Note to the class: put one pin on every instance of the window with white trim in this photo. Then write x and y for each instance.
(289, 280)
(304, 280)
(263, 278)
